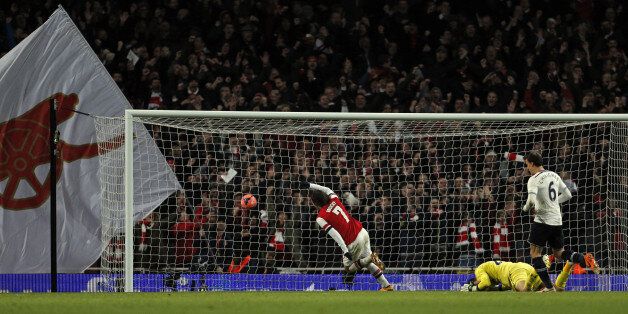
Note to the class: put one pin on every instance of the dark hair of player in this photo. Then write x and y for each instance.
(534, 158)
(319, 198)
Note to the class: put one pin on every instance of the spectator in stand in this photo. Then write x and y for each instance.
(500, 237)
(389, 53)
(278, 242)
(148, 242)
(184, 233)
(244, 260)
(220, 244)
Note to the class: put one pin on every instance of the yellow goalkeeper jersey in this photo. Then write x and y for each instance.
(508, 274)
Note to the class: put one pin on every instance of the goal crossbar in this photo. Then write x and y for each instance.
(377, 116)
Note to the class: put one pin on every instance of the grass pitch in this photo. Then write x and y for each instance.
(316, 302)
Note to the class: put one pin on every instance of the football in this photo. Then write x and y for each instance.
(248, 201)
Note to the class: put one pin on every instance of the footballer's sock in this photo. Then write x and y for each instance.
(378, 274)
(359, 264)
(541, 270)
(573, 257)
(561, 280)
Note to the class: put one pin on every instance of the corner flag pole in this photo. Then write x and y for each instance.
(54, 139)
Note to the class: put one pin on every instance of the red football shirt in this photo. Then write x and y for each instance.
(337, 217)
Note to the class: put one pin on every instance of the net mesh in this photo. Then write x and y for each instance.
(436, 197)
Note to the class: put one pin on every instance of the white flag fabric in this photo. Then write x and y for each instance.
(56, 61)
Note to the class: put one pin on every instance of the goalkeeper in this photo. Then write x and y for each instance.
(520, 277)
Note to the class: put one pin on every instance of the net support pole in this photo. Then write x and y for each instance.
(128, 201)
(53, 194)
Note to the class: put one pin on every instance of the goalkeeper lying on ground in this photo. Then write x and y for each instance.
(501, 276)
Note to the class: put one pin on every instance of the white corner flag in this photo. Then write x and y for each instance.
(55, 61)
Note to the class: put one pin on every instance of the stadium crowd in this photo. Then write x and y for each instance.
(356, 56)
(388, 56)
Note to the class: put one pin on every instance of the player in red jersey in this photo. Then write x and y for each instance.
(348, 233)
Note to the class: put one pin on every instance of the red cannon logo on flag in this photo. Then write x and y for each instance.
(24, 146)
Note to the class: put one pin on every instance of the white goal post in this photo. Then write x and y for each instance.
(438, 193)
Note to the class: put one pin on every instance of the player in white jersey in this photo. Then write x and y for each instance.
(546, 191)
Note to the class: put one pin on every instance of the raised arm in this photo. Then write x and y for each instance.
(337, 237)
(332, 233)
(321, 188)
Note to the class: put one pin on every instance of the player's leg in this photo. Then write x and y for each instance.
(360, 263)
(366, 255)
(373, 255)
(370, 256)
(348, 276)
(585, 260)
(538, 239)
(539, 265)
(561, 280)
(361, 252)
(377, 261)
(379, 276)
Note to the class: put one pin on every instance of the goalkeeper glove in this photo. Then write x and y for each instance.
(469, 287)
(472, 288)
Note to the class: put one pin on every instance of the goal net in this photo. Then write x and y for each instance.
(437, 197)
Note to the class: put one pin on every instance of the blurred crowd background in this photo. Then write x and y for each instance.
(356, 56)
